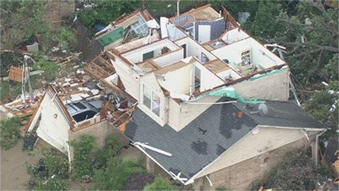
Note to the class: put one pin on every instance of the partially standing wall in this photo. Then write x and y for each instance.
(274, 86)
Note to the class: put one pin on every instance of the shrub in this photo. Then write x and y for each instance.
(160, 183)
(51, 173)
(10, 132)
(110, 150)
(116, 174)
(83, 159)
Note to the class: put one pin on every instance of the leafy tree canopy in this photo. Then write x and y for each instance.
(107, 11)
(160, 183)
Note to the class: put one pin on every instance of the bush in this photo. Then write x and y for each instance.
(110, 150)
(10, 132)
(83, 158)
(51, 173)
(160, 183)
(116, 174)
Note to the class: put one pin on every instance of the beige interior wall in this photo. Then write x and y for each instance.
(179, 80)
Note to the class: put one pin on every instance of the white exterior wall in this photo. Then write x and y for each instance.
(169, 58)
(129, 78)
(182, 114)
(53, 130)
(151, 82)
(267, 139)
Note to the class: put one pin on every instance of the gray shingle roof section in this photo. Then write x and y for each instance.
(211, 133)
(281, 113)
(198, 144)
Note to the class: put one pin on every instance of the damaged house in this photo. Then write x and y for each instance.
(204, 101)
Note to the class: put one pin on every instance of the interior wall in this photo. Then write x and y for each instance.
(234, 35)
(195, 49)
(179, 80)
(260, 56)
(169, 58)
(208, 79)
(228, 73)
(136, 56)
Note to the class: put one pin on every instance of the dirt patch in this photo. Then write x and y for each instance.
(14, 163)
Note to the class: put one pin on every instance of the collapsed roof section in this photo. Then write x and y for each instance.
(136, 25)
(81, 101)
(204, 24)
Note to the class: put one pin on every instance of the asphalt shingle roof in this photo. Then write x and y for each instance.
(210, 134)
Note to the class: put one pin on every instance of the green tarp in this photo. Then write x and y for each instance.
(112, 36)
(231, 93)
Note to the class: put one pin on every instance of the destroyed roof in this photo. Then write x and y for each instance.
(208, 136)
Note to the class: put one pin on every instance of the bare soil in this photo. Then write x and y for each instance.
(14, 163)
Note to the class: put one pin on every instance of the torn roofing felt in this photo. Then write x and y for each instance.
(211, 133)
(198, 144)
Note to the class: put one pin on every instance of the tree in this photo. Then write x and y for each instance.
(324, 106)
(10, 132)
(24, 22)
(110, 150)
(296, 172)
(116, 174)
(309, 32)
(160, 183)
(107, 11)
